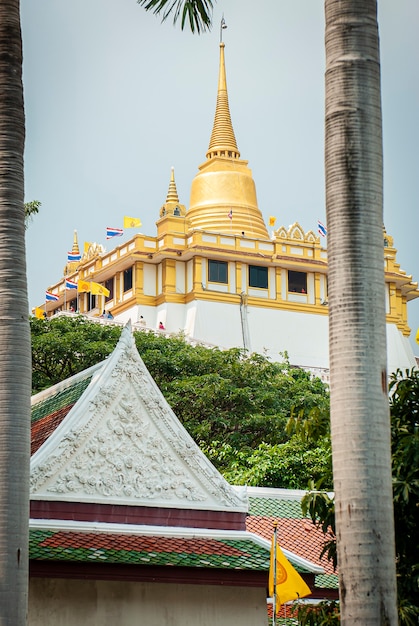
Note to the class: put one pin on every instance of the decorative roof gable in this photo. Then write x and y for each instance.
(121, 443)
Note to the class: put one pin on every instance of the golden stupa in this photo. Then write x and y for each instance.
(223, 193)
(214, 274)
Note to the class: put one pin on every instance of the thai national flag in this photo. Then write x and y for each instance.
(70, 284)
(322, 229)
(51, 296)
(72, 256)
(114, 232)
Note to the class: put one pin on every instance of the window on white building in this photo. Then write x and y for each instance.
(258, 276)
(217, 271)
(297, 282)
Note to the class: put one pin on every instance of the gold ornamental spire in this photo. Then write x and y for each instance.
(171, 210)
(75, 248)
(223, 193)
(172, 195)
(71, 266)
(223, 140)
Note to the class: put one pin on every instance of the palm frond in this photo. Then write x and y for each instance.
(197, 12)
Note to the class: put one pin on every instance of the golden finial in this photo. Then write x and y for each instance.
(223, 141)
(75, 248)
(172, 195)
(223, 193)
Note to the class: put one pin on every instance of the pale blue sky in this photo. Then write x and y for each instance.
(114, 99)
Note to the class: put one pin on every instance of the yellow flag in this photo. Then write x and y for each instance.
(417, 336)
(99, 290)
(83, 285)
(272, 221)
(39, 313)
(132, 222)
(288, 584)
(87, 245)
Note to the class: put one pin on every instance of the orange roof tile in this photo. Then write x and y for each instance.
(44, 427)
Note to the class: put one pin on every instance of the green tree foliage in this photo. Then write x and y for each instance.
(235, 406)
(404, 408)
(63, 346)
(31, 209)
(243, 402)
(323, 614)
(289, 465)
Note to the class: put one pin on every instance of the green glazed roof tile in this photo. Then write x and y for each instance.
(273, 507)
(112, 548)
(327, 581)
(61, 399)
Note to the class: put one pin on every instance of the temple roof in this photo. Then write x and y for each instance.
(108, 451)
(138, 545)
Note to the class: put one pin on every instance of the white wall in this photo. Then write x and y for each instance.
(60, 602)
(303, 335)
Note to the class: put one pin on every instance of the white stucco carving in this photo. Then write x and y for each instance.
(122, 443)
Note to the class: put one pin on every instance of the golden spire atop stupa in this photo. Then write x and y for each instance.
(223, 140)
(171, 209)
(71, 266)
(75, 249)
(223, 194)
(172, 195)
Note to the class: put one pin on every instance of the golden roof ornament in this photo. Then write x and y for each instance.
(172, 195)
(172, 205)
(71, 266)
(223, 194)
(223, 141)
(75, 249)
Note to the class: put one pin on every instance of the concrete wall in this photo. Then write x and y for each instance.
(60, 602)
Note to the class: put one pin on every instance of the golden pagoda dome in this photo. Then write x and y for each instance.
(223, 193)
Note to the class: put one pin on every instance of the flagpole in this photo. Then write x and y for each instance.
(274, 597)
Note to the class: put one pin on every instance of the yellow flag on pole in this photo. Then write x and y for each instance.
(39, 313)
(284, 581)
(272, 220)
(86, 246)
(417, 336)
(83, 285)
(132, 222)
(98, 290)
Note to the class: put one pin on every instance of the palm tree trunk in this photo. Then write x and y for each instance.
(15, 368)
(360, 423)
